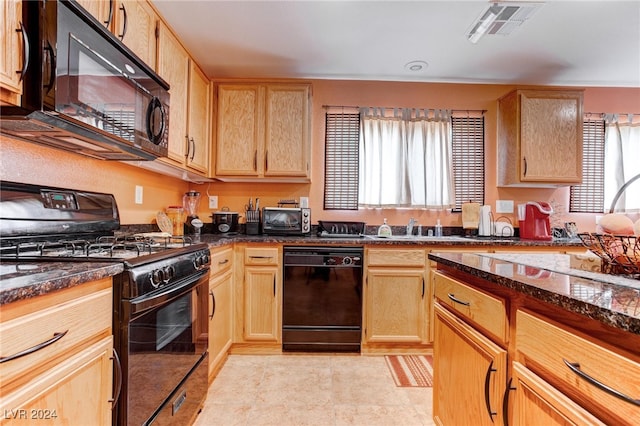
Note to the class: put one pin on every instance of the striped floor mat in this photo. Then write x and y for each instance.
(411, 370)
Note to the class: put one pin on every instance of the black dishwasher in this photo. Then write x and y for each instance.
(322, 299)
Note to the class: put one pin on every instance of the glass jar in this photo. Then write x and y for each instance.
(177, 216)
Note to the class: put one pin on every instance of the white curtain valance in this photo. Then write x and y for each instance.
(406, 158)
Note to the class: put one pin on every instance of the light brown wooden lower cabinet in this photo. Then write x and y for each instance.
(76, 392)
(220, 308)
(58, 358)
(548, 368)
(536, 402)
(470, 374)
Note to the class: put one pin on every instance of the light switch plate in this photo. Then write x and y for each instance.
(504, 206)
(213, 201)
(139, 192)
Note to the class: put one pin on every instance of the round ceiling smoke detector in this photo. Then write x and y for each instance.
(416, 66)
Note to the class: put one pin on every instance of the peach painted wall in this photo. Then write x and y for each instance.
(30, 163)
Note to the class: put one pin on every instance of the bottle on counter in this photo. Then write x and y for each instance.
(384, 230)
(438, 229)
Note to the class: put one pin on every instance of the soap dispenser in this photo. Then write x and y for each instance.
(438, 229)
(384, 230)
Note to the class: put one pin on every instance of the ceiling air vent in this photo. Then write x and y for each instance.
(501, 18)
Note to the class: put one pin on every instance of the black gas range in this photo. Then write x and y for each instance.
(160, 305)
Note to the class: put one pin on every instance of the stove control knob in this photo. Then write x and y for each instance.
(157, 277)
(347, 261)
(169, 272)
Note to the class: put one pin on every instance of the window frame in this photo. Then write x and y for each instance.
(333, 181)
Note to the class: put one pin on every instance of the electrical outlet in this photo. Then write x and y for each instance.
(139, 192)
(304, 202)
(213, 201)
(504, 206)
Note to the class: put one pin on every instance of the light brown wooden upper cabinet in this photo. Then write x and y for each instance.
(263, 132)
(135, 24)
(102, 10)
(11, 44)
(540, 138)
(189, 110)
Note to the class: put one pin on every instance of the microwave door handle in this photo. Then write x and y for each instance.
(53, 65)
(154, 137)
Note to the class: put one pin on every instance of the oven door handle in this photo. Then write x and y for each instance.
(153, 300)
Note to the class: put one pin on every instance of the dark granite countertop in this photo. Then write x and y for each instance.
(22, 280)
(25, 280)
(612, 300)
(398, 240)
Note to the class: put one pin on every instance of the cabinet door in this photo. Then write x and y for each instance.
(135, 25)
(261, 306)
(220, 318)
(12, 45)
(287, 142)
(77, 392)
(173, 66)
(239, 130)
(551, 122)
(469, 374)
(537, 403)
(102, 10)
(395, 305)
(199, 112)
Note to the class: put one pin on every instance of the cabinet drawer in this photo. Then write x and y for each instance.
(486, 311)
(221, 260)
(261, 256)
(396, 257)
(547, 349)
(78, 320)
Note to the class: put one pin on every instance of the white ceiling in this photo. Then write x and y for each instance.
(567, 43)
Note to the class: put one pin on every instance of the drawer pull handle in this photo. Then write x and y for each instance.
(222, 262)
(261, 257)
(455, 300)
(575, 367)
(55, 338)
(487, 389)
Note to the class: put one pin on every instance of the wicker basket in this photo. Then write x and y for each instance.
(620, 254)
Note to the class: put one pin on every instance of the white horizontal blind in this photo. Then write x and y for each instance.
(468, 159)
(588, 197)
(341, 161)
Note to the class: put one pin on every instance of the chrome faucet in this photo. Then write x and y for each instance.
(410, 226)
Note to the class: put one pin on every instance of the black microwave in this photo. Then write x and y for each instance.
(84, 91)
(286, 221)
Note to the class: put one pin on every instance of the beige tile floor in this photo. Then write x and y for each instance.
(323, 390)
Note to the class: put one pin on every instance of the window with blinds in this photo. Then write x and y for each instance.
(342, 158)
(468, 159)
(588, 197)
(341, 161)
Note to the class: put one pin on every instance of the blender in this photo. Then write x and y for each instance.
(193, 224)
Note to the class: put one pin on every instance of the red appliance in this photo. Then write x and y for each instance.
(534, 221)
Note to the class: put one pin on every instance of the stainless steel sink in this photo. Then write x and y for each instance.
(419, 238)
